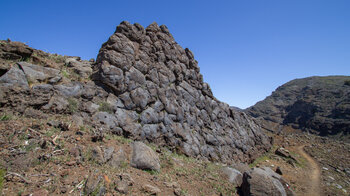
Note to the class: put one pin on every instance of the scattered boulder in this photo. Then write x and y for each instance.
(285, 154)
(92, 182)
(234, 176)
(282, 152)
(264, 182)
(118, 159)
(143, 157)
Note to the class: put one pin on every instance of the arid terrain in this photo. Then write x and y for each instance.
(43, 159)
(140, 121)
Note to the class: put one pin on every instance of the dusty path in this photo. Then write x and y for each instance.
(314, 187)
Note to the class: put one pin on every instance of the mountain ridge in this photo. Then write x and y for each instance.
(319, 104)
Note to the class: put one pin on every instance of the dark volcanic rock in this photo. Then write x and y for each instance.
(154, 76)
(320, 104)
(144, 86)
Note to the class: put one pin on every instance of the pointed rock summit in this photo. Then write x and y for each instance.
(160, 96)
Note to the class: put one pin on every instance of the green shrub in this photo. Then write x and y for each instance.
(5, 117)
(347, 82)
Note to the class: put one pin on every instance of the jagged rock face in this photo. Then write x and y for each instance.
(320, 104)
(160, 96)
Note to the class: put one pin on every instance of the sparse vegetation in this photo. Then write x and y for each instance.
(122, 139)
(65, 73)
(73, 105)
(105, 107)
(264, 157)
(5, 117)
(50, 132)
(2, 175)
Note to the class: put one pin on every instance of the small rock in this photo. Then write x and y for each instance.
(122, 187)
(53, 123)
(108, 152)
(279, 171)
(338, 186)
(118, 158)
(282, 152)
(63, 189)
(97, 154)
(71, 163)
(92, 182)
(291, 163)
(97, 137)
(153, 190)
(177, 191)
(325, 168)
(123, 182)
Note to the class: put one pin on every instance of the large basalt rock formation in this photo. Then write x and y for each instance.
(144, 86)
(160, 96)
(319, 104)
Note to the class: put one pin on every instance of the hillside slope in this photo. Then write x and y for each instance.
(143, 86)
(317, 104)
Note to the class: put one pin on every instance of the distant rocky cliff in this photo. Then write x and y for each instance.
(318, 104)
(143, 85)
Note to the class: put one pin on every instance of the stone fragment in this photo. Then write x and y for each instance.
(118, 159)
(14, 77)
(123, 182)
(92, 182)
(97, 155)
(36, 73)
(152, 190)
(143, 157)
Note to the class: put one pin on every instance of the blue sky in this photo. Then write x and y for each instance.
(245, 49)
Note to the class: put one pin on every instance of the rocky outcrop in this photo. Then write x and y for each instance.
(319, 104)
(165, 99)
(143, 86)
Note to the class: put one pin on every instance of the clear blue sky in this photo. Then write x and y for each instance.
(245, 48)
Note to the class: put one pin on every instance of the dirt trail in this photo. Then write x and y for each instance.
(314, 187)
